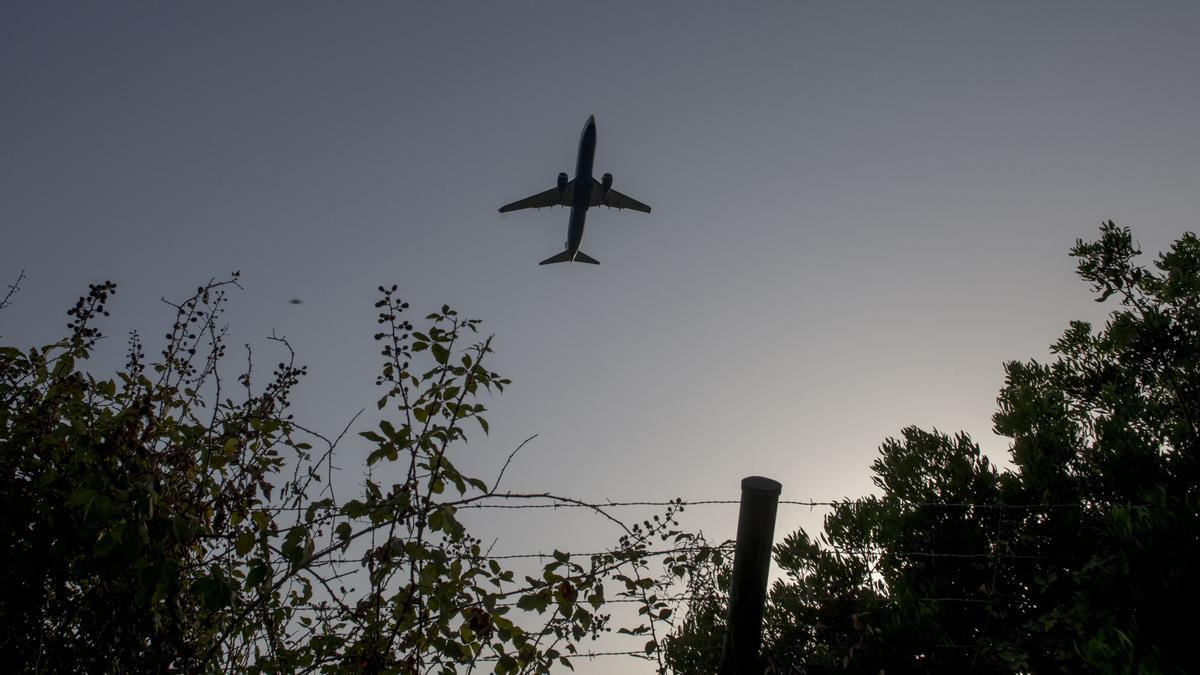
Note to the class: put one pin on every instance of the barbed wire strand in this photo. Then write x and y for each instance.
(580, 504)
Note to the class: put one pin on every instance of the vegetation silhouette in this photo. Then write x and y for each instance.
(1081, 557)
(168, 519)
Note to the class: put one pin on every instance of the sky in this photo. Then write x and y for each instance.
(861, 210)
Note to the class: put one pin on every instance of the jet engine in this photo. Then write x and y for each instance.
(606, 182)
(562, 182)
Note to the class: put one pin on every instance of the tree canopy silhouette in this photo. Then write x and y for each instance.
(1081, 557)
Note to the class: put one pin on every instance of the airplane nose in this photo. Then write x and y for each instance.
(591, 119)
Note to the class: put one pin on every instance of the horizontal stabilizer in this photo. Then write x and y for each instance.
(567, 256)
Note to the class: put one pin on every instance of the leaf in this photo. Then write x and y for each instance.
(258, 572)
(214, 592)
(483, 423)
(262, 520)
(440, 353)
(596, 599)
(245, 542)
(344, 531)
(387, 428)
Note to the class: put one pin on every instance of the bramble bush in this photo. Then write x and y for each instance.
(170, 518)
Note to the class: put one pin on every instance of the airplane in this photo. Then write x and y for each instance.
(579, 194)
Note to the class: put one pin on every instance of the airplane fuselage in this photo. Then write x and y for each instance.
(580, 194)
(582, 197)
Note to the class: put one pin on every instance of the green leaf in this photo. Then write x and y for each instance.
(440, 353)
(596, 599)
(245, 542)
(387, 428)
(258, 572)
(262, 520)
(214, 591)
(344, 532)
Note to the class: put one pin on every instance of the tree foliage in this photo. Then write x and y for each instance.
(1081, 557)
(168, 518)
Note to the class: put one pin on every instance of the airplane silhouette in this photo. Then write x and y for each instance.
(579, 194)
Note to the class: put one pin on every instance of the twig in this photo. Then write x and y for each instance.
(15, 286)
(512, 454)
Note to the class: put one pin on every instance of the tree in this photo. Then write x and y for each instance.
(169, 519)
(1081, 557)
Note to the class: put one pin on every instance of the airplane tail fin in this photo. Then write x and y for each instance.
(566, 256)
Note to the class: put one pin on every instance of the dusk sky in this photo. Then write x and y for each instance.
(860, 210)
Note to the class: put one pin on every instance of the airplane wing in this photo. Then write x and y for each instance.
(615, 199)
(551, 197)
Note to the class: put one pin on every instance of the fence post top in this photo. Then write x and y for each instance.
(761, 484)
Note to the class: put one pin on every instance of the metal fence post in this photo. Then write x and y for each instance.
(751, 564)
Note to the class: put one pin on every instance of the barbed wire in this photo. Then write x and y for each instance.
(680, 598)
(783, 502)
(555, 503)
(939, 554)
(628, 553)
(726, 546)
(677, 600)
(589, 655)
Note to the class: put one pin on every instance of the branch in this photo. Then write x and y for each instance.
(512, 454)
(15, 286)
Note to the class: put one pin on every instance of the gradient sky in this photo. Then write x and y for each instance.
(861, 210)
